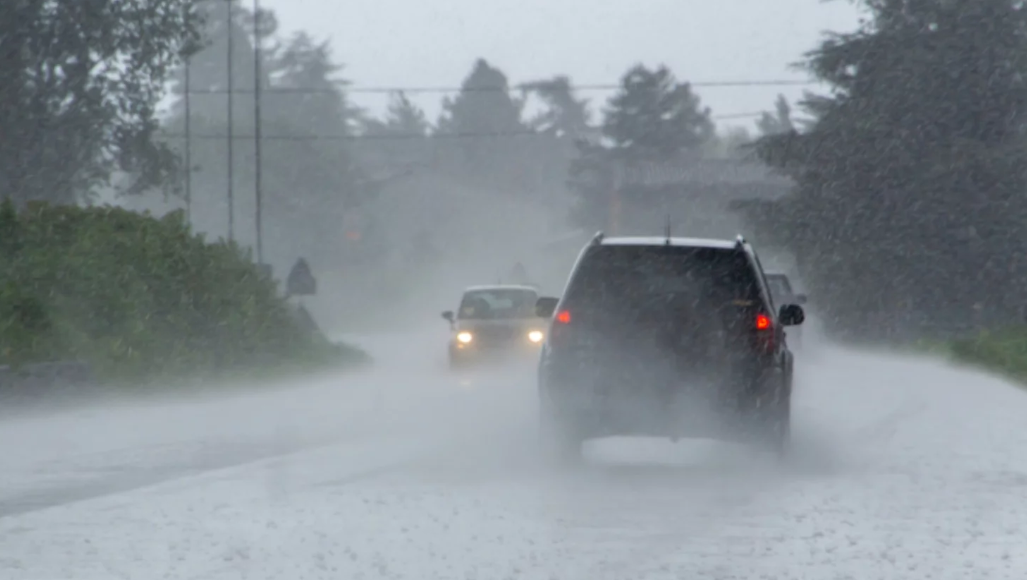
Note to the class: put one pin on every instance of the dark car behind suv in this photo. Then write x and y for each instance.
(782, 293)
(666, 337)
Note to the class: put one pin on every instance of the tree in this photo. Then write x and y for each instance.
(79, 97)
(651, 119)
(732, 143)
(403, 118)
(209, 80)
(779, 122)
(565, 115)
(655, 118)
(483, 105)
(591, 179)
(910, 179)
(482, 135)
(208, 65)
(399, 142)
(310, 177)
(320, 104)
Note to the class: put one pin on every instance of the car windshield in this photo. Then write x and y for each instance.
(779, 287)
(633, 276)
(498, 303)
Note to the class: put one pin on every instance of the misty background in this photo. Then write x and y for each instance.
(399, 198)
(400, 193)
(168, 408)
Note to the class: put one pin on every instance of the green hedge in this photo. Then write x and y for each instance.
(139, 297)
(1003, 351)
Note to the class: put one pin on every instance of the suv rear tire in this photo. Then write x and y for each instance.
(766, 415)
(560, 440)
(775, 423)
(780, 430)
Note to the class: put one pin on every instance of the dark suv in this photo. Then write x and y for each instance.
(666, 337)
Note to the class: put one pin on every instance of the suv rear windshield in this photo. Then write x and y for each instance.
(498, 303)
(615, 277)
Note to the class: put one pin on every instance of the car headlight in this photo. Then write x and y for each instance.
(535, 336)
(464, 337)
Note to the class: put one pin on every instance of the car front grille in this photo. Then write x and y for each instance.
(498, 333)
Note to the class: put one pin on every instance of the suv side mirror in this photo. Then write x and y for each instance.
(800, 299)
(791, 315)
(448, 315)
(545, 306)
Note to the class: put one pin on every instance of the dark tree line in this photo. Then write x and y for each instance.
(76, 122)
(909, 210)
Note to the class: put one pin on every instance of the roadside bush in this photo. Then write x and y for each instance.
(1003, 351)
(140, 297)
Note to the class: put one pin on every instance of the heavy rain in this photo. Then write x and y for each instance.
(513, 290)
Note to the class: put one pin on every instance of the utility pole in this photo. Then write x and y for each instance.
(257, 82)
(231, 133)
(187, 84)
(188, 145)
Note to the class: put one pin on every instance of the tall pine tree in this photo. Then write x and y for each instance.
(652, 119)
(484, 132)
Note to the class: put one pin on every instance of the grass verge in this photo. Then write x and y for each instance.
(1003, 351)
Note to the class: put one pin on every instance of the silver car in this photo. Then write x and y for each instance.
(495, 323)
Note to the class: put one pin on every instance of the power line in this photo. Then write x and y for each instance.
(371, 137)
(515, 88)
(730, 116)
(405, 136)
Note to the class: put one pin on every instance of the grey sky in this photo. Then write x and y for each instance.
(434, 42)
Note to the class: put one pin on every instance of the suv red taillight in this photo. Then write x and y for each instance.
(762, 322)
(560, 327)
(764, 333)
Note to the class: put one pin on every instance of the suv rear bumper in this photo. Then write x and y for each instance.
(726, 407)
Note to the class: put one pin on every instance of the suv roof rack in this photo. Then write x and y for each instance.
(597, 239)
